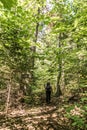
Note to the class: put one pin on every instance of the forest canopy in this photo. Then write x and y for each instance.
(44, 40)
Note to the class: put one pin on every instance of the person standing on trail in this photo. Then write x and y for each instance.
(48, 89)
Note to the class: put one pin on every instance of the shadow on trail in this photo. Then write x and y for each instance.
(50, 121)
(42, 118)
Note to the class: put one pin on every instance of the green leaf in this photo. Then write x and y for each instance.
(76, 22)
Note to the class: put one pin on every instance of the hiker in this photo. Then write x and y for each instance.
(48, 90)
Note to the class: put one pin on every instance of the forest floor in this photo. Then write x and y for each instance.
(41, 117)
(46, 117)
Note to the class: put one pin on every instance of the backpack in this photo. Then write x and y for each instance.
(48, 88)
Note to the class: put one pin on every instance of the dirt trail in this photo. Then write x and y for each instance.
(37, 118)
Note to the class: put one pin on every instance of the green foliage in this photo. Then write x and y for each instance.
(84, 99)
(9, 3)
(77, 117)
(17, 36)
(60, 50)
(78, 122)
(69, 109)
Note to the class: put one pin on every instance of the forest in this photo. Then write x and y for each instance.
(43, 43)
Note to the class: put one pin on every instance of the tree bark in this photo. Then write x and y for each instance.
(33, 48)
(58, 91)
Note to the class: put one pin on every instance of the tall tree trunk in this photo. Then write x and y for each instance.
(58, 91)
(33, 48)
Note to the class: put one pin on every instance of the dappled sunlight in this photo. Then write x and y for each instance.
(43, 64)
(45, 117)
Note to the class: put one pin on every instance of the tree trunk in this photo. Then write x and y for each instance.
(63, 78)
(22, 83)
(8, 96)
(33, 48)
(58, 91)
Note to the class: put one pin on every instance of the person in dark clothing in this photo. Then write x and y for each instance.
(48, 89)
